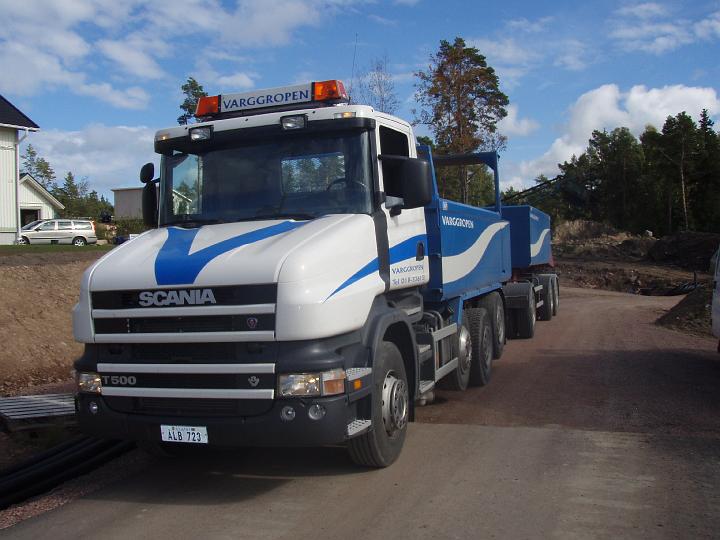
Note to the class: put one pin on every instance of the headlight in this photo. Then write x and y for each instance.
(326, 383)
(203, 133)
(89, 383)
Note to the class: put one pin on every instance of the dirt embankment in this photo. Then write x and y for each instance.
(595, 256)
(39, 290)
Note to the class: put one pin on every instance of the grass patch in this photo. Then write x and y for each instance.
(53, 248)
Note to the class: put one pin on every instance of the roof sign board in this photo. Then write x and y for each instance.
(286, 95)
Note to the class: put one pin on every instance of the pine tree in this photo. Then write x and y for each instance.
(193, 91)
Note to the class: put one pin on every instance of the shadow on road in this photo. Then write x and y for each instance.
(218, 476)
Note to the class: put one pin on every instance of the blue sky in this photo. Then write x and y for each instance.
(100, 77)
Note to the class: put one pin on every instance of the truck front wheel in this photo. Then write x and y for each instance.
(381, 446)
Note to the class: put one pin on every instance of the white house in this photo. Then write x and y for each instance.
(36, 202)
(14, 127)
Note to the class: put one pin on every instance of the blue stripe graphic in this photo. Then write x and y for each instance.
(175, 266)
(399, 252)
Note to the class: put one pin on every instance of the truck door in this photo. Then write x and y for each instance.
(716, 298)
(406, 232)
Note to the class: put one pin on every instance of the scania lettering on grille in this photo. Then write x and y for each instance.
(193, 297)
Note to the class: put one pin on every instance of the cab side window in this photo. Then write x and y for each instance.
(393, 143)
(48, 226)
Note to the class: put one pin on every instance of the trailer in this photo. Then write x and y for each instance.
(302, 284)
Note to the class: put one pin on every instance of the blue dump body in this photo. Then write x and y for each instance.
(474, 250)
(469, 247)
(529, 236)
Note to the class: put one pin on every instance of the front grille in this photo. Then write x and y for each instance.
(201, 408)
(214, 323)
(236, 295)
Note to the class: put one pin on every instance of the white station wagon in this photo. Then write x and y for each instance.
(78, 232)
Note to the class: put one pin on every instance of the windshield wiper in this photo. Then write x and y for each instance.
(288, 215)
(191, 223)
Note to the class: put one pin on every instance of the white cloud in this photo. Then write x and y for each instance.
(131, 58)
(709, 28)
(647, 10)
(651, 28)
(512, 124)
(607, 107)
(572, 55)
(109, 156)
(653, 37)
(531, 27)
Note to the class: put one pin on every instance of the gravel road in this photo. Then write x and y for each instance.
(603, 426)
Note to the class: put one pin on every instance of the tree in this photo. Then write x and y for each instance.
(38, 167)
(376, 87)
(193, 91)
(679, 149)
(462, 103)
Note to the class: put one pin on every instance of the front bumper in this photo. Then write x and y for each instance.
(267, 429)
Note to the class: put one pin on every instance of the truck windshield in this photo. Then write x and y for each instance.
(290, 177)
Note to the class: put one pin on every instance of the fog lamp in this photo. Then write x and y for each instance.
(89, 383)
(93, 407)
(316, 412)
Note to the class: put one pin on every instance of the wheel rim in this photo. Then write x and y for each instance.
(532, 309)
(394, 403)
(464, 350)
(487, 350)
(500, 321)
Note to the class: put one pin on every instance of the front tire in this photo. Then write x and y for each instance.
(556, 295)
(381, 446)
(23, 241)
(482, 336)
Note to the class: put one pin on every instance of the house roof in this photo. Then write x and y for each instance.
(11, 116)
(26, 178)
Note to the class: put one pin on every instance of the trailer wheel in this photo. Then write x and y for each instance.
(525, 317)
(556, 294)
(459, 379)
(545, 312)
(482, 338)
(381, 446)
(493, 303)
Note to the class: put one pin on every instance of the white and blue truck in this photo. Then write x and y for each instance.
(303, 283)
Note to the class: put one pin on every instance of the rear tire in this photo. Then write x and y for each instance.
(460, 377)
(79, 241)
(545, 312)
(495, 307)
(381, 445)
(556, 294)
(525, 317)
(482, 353)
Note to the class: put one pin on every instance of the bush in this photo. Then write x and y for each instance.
(125, 227)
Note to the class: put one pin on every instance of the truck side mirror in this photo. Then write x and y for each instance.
(150, 204)
(147, 173)
(416, 182)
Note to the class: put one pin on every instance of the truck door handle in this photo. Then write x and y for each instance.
(420, 252)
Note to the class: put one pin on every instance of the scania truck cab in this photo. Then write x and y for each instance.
(302, 283)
